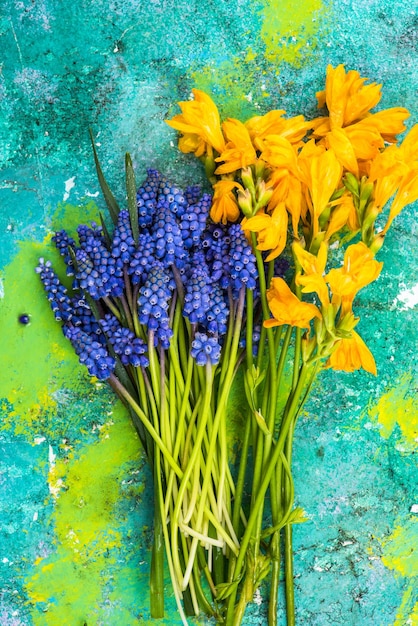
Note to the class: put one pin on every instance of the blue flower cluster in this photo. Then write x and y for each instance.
(179, 255)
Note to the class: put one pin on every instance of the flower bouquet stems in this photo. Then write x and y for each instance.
(190, 296)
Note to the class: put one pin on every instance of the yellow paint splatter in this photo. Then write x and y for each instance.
(36, 358)
(397, 407)
(400, 554)
(290, 32)
(68, 586)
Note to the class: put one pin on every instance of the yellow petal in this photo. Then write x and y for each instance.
(287, 308)
(352, 354)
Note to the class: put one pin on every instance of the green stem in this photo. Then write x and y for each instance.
(290, 414)
(157, 560)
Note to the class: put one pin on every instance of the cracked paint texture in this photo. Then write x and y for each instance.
(75, 503)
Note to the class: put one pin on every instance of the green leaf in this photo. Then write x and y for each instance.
(262, 423)
(112, 205)
(224, 590)
(131, 192)
(106, 234)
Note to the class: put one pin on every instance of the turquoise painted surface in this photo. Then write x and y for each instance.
(119, 67)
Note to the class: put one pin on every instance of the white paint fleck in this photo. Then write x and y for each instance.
(5, 560)
(258, 598)
(69, 184)
(407, 299)
(51, 457)
(1, 288)
(92, 195)
(249, 97)
(414, 508)
(38, 440)
(35, 516)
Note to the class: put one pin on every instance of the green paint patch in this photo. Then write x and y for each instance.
(291, 32)
(90, 520)
(236, 85)
(401, 555)
(37, 360)
(397, 407)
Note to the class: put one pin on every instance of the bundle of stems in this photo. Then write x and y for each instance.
(192, 297)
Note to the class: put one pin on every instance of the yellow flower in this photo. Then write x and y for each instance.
(407, 193)
(286, 188)
(224, 204)
(359, 269)
(239, 152)
(343, 149)
(321, 172)
(344, 212)
(273, 123)
(347, 98)
(390, 122)
(286, 308)
(313, 267)
(278, 152)
(200, 125)
(352, 354)
(271, 229)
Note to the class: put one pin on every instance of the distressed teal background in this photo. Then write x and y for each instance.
(74, 493)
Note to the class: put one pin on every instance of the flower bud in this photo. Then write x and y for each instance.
(351, 183)
(245, 202)
(308, 345)
(377, 243)
(263, 194)
(247, 179)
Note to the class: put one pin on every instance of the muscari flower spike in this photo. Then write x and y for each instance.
(56, 292)
(123, 243)
(63, 242)
(205, 349)
(91, 353)
(242, 263)
(127, 346)
(153, 303)
(146, 198)
(142, 259)
(97, 271)
(194, 220)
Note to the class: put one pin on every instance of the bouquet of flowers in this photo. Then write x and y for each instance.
(191, 295)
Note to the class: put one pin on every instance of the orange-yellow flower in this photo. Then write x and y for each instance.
(224, 204)
(390, 122)
(407, 193)
(347, 98)
(351, 354)
(359, 269)
(239, 152)
(271, 230)
(200, 125)
(286, 308)
(273, 123)
(313, 267)
(344, 212)
(321, 172)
